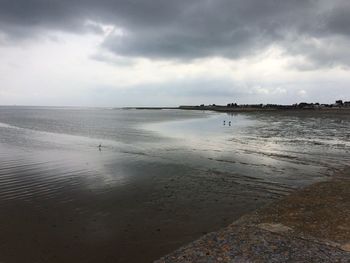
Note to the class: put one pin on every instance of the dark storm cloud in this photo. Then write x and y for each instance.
(189, 29)
(339, 19)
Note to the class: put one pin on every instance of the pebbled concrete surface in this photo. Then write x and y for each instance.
(310, 225)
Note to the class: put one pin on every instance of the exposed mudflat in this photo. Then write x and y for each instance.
(161, 179)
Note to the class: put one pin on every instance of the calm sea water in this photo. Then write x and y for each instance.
(161, 178)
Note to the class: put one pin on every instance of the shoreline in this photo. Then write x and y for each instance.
(309, 225)
(345, 110)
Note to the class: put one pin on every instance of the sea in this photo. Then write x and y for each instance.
(128, 185)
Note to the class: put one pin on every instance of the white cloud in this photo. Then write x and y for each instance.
(67, 69)
(302, 93)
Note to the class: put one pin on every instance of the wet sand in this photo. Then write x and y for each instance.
(150, 189)
(46, 216)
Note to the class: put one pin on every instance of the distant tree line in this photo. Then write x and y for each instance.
(302, 105)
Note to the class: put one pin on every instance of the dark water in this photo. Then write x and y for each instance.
(161, 179)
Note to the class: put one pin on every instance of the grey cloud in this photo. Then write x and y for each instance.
(339, 19)
(211, 28)
(323, 52)
(178, 92)
(215, 90)
(190, 29)
(191, 87)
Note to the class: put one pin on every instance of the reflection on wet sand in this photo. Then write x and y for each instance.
(155, 185)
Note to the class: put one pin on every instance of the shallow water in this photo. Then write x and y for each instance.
(161, 179)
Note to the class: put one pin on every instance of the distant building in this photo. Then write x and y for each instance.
(304, 105)
(338, 103)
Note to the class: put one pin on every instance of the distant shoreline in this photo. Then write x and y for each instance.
(267, 109)
(149, 108)
(245, 109)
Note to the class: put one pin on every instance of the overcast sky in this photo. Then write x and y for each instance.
(166, 52)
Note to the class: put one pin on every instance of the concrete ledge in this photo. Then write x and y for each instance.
(310, 225)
